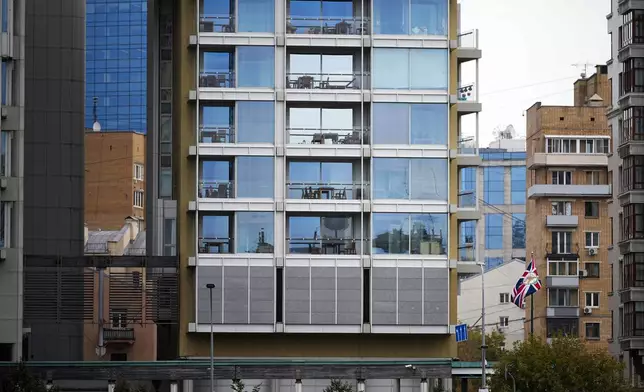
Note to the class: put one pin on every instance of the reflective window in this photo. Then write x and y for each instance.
(254, 232)
(420, 234)
(256, 16)
(217, 69)
(217, 124)
(492, 262)
(402, 123)
(518, 184)
(255, 177)
(518, 231)
(216, 234)
(322, 71)
(216, 179)
(467, 241)
(256, 66)
(493, 190)
(255, 122)
(415, 17)
(4, 82)
(5, 153)
(322, 126)
(412, 69)
(329, 234)
(5, 223)
(467, 191)
(323, 179)
(5, 16)
(493, 231)
(415, 179)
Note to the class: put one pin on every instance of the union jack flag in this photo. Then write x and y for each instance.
(527, 285)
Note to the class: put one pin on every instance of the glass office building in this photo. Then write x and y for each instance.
(116, 62)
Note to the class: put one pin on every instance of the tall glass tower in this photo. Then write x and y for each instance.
(116, 60)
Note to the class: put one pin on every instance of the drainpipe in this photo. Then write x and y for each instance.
(100, 350)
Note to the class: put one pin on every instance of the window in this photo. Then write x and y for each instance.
(564, 146)
(467, 191)
(611, 231)
(6, 138)
(504, 298)
(169, 237)
(562, 268)
(119, 318)
(310, 179)
(563, 297)
(403, 123)
(632, 77)
(255, 122)
(518, 231)
(216, 233)
(138, 199)
(410, 17)
(633, 221)
(592, 270)
(592, 239)
(395, 233)
(560, 326)
(633, 319)
(5, 82)
(255, 177)
(592, 177)
(591, 209)
(324, 70)
(518, 184)
(256, 66)
(256, 16)
(504, 321)
(493, 262)
(561, 242)
(493, 231)
(632, 173)
(411, 179)
(561, 208)
(306, 124)
(632, 270)
(254, 232)
(138, 171)
(592, 299)
(632, 124)
(5, 16)
(493, 189)
(560, 177)
(592, 330)
(411, 67)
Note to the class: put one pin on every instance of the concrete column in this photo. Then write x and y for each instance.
(188, 386)
(174, 387)
(447, 384)
(361, 386)
(111, 384)
(397, 386)
(298, 385)
(424, 385)
(49, 385)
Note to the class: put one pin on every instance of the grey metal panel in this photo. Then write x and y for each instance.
(545, 190)
(296, 298)
(323, 295)
(410, 296)
(262, 295)
(235, 295)
(436, 296)
(562, 281)
(562, 221)
(563, 312)
(209, 275)
(349, 281)
(383, 295)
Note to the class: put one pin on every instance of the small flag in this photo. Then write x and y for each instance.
(527, 284)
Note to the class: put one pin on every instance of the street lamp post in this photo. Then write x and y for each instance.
(211, 286)
(483, 346)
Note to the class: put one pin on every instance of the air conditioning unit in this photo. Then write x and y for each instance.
(592, 251)
(583, 273)
(588, 310)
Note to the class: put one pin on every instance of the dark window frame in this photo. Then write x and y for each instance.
(633, 324)
(632, 269)
(632, 124)
(591, 209)
(633, 222)
(595, 330)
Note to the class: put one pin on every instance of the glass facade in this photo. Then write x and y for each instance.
(116, 62)
(493, 231)
(404, 123)
(518, 231)
(518, 184)
(411, 67)
(395, 233)
(493, 190)
(411, 179)
(410, 17)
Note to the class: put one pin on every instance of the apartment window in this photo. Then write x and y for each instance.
(560, 326)
(633, 319)
(561, 208)
(633, 222)
(632, 270)
(563, 297)
(256, 16)
(138, 199)
(504, 298)
(592, 177)
(5, 153)
(411, 67)
(410, 17)
(5, 82)
(592, 299)
(138, 171)
(562, 268)
(560, 177)
(563, 146)
(467, 240)
(633, 75)
(404, 123)
(592, 239)
(594, 146)
(254, 232)
(592, 270)
(306, 124)
(396, 233)
(632, 173)
(561, 242)
(255, 122)
(504, 321)
(493, 231)
(591, 209)
(411, 179)
(169, 237)
(518, 231)
(255, 177)
(493, 188)
(592, 330)
(5, 224)
(632, 124)
(119, 318)
(518, 184)
(323, 71)
(467, 191)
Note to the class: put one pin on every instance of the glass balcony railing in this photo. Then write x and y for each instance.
(216, 134)
(328, 136)
(326, 246)
(216, 189)
(323, 25)
(467, 92)
(467, 199)
(466, 251)
(221, 79)
(217, 24)
(467, 146)
(469, 39)
(215, 245)
(327, 81)
(327, 191)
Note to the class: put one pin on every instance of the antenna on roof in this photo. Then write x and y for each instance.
(585, 65)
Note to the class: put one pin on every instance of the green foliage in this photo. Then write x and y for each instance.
(470, 350)
(22, 380)
(338, 386)
(239, 386)
(565, 365)
(124, 386)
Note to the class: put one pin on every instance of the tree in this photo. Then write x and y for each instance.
(568, 364)
(339, 386)
(22, 380)
(239, 386)
(124, 386)
(470, 350)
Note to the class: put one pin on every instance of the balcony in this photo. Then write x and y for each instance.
(468, 46)
(210, 23)
(309, 24)
(563, 250)
(562, 281)
(562, 311)
(327, 26)
(326, 234)
(625, 6)
(217, 134)
(467, 99)
(562, 221)
(553, 190)
(319, 136)
(541, 159)
(326, 246)
(118, 335)
(467, 153)
(217, 79)
(327, 191)
(467, 263)
(217, 189)
(245, 232)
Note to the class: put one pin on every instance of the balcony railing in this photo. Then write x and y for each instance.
(326, 81)
(469, 39)
(217, 24)
(220, 79)
(354, 135)
(467, 251)
(322, 25)
(467, 92)
(561, 249)
(216, 189)
(118, 334)
(325, 246)
(467, 146)
(327, 191)
(217, 134)
(215, 245)
(96, 248)
(467, 199)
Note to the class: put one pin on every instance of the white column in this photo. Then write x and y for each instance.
(298, 385)
(111, 385)
(361, 386)
(424, 385)
(447, 384)
(174, 387)
(188, 386)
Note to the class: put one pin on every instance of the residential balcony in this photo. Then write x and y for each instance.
(625, 6)
(562, 251)
(325, 136)
(217, 79)
(542, 159)
(212, 23)
(631, 133)
(558, 281)
(631, 39)
(562, 311)
(327, 25)
(554, 190)
(467, 153)
(468, 46)
(327, 191)
(327, 246)
(118, 335)
(216, 189)
(216, 134)
(467, 99)
(466, 262)
(216, 245)
(562, 221)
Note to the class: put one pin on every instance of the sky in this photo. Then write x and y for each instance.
(528, 50)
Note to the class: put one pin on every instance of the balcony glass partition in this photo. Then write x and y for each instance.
(255, 232)
(467, 189)
(632, 124)
(632, 29)
(217, 16)
(410, 17)
(216, 180)
(216, 233)
(633, 173)
(217, 124)
(556, 327)
(632, 266)
(256, 122)
(217, 69)
(467, 241)
(410, 179)
(326, 17)
(633, 319)
(323, 126)
(327, 234)
(403, 123)
(411, 67)
(256, 66)
(416, 234)
(324, 71)
(255, 177)
(325, 180)
(633, 222)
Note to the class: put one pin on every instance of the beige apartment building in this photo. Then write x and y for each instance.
(567, 221)
(114, 178)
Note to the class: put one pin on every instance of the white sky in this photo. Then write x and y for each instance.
(527, 42)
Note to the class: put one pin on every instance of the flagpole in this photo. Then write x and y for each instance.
(531, 314)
